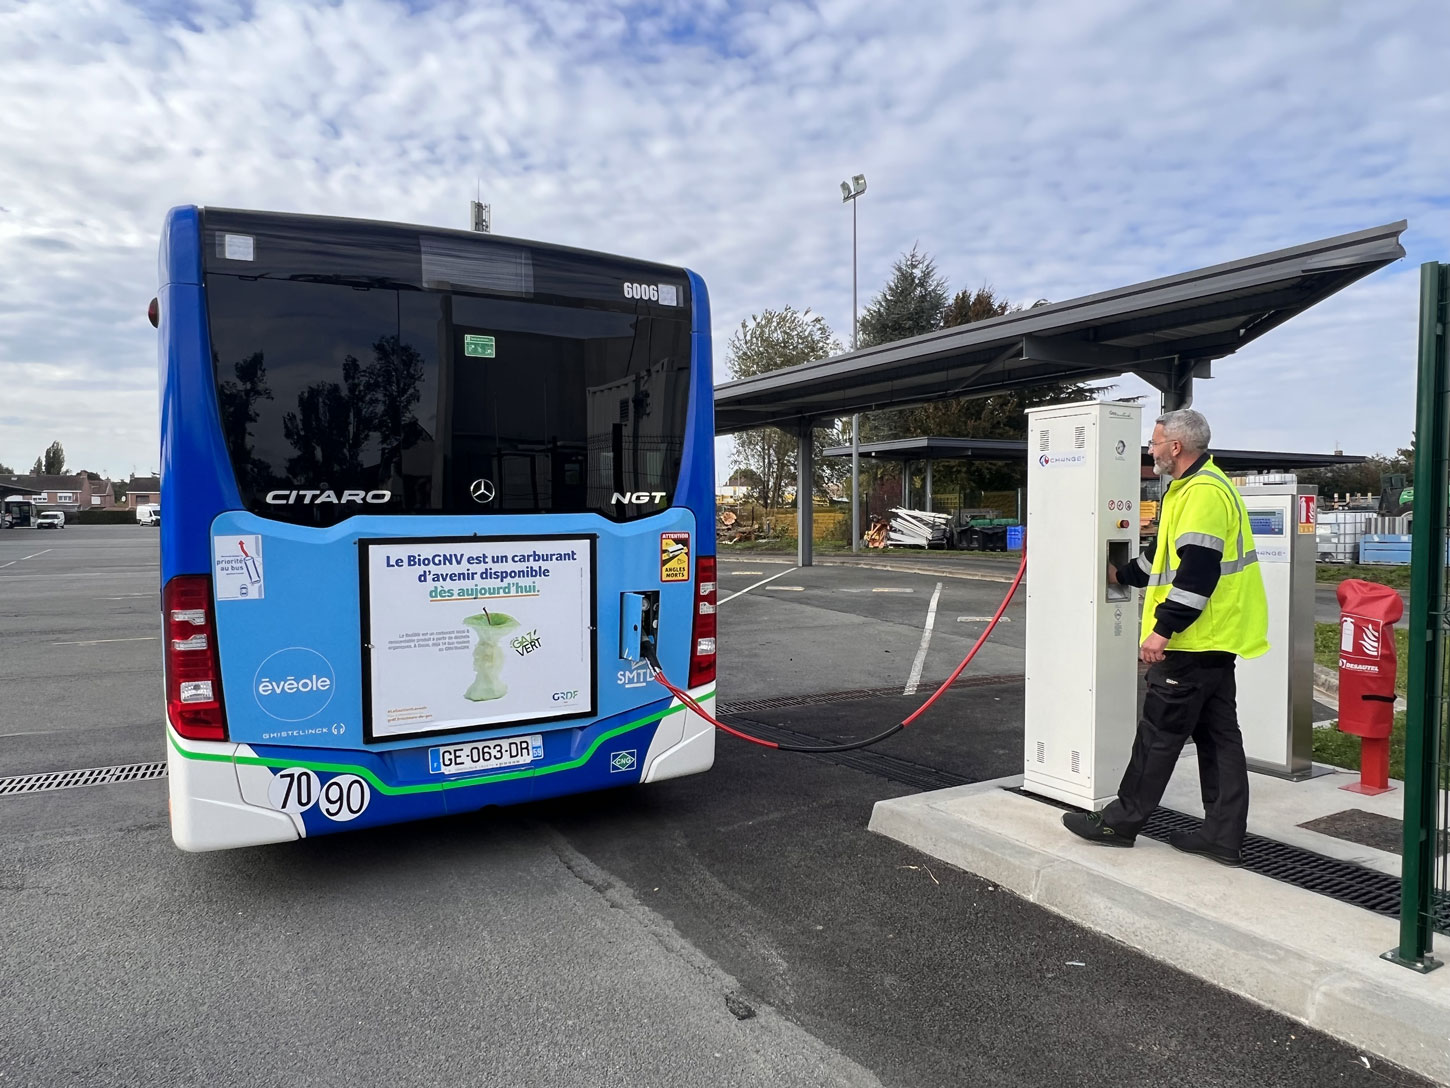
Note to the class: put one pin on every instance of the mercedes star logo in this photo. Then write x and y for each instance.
(481, 490)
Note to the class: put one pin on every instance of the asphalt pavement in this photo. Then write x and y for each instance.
(738, 927)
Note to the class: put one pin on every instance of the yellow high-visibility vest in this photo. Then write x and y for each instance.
(1207, 510)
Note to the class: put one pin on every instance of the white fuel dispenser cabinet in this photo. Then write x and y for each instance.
(1276, 691)
(1083, 471)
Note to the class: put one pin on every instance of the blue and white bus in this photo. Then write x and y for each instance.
(434, 500)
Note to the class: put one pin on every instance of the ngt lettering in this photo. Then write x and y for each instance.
(638, 498)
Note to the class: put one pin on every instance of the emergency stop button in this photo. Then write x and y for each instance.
(1123, 524)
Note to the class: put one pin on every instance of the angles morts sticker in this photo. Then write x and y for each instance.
(674, 557)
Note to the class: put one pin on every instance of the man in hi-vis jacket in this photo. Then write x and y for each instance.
(1205, 607)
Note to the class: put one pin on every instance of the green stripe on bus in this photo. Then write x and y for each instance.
(429, 787)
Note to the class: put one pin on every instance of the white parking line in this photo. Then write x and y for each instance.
(914, 680)
(883, 589)
(98, 641)
(982, 619)
(747, 589)
(744, 572)
(23, 558)
(789, 589)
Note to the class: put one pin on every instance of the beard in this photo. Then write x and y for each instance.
(1163, 466)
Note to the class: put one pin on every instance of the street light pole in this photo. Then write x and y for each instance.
(850, 190)
(854, 341)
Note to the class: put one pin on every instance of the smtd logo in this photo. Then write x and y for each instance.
(639, 675)
(294, 684)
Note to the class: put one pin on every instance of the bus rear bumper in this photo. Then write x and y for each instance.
(684, 744)
(208, 811)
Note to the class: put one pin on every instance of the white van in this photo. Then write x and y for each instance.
(148, 514)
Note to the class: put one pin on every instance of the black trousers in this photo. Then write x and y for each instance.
(1189, 695)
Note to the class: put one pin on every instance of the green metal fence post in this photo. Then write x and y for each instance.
(1426, 680)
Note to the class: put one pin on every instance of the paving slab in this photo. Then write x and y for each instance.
(1310, 957)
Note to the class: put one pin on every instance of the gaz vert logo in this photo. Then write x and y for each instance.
(526, 643)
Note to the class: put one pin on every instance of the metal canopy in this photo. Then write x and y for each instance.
(1167, 331)
(1015, 449)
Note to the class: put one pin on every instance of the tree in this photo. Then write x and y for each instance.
(1002, 415)
(6, 470)
(54, 460)
(749, 479)
(773, 340)
(1367, 478)
(910, 304)
(38, 468)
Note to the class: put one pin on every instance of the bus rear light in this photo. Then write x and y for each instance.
(193, 672)
(196, 691)
(702, 643)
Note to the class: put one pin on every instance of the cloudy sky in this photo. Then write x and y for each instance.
(1051, 148)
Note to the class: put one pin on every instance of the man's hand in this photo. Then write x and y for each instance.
(1112, 575)
(1152, 649)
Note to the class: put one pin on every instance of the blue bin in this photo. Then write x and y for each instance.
(1386, 548)
(1014, 538)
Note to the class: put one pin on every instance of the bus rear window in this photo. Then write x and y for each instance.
(338, 398)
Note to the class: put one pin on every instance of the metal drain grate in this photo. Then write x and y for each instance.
(785, 702)
(1368, 889)
(69, 780)
(1342, 880)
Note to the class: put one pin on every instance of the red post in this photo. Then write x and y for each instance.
(1367, 667)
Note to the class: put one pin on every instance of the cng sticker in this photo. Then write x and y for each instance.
(674, 557)
(623, 761)
(479, 347)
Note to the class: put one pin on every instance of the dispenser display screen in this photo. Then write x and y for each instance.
(1266, 523)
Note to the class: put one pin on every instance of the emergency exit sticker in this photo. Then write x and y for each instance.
(1306, 515)
(674, 557)
(479, 347)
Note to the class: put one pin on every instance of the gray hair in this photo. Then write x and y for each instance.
(1188, 427)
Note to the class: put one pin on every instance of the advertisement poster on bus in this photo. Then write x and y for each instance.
(470, 633)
